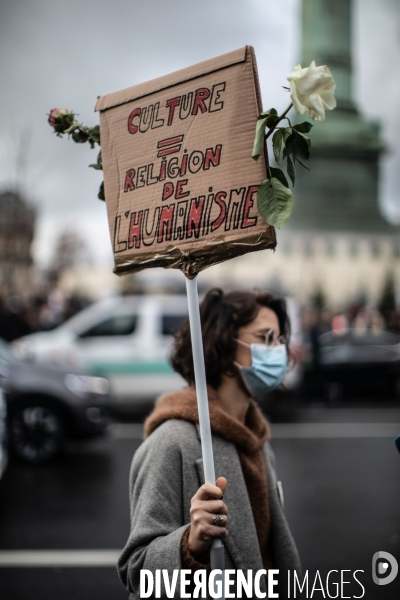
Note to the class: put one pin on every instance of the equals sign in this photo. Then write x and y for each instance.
(170, 145)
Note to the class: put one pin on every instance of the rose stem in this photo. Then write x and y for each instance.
(283, 115)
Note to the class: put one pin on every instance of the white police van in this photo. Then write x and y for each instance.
(126, 339)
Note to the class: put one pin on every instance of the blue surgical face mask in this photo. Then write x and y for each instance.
(268, 368)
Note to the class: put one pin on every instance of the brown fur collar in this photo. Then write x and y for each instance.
(183, 405)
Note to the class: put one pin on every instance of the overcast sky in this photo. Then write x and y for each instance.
(65, 54)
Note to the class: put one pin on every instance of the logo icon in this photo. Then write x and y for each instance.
(384, 568)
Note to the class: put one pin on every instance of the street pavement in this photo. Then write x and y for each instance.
(340, 472)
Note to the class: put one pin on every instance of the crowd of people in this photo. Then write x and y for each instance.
(316, 321)
(19, 317)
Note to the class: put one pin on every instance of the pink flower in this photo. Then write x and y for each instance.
(60, 119)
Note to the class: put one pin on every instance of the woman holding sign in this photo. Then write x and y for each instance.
(174, 515)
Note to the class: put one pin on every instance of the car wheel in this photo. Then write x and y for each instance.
(36, 432)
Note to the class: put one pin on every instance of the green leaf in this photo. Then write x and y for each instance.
(101, 195)
(272, 120)
(80, 136)
(277, 140)
(304, 127)
(99, 165)
(307, 139)
(291, 171)
(278, 174)
(274, 202)
(94, 133)
(267, 113)
(290, 145)
(302, 152)
(259, 140)
(303, 162)
(297, 145)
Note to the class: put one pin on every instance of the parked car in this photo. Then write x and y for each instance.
(47, 405)
(355, 363)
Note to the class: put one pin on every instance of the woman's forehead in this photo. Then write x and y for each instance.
(266, 319)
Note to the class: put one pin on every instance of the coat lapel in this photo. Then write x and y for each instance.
(242, 542)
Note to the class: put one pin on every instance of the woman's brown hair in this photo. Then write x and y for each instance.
(222, 315)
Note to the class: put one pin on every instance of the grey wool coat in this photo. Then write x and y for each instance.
(166, 472)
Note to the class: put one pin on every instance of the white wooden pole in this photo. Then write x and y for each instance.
(217, 548)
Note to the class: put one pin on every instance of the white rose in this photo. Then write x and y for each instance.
(311, 90)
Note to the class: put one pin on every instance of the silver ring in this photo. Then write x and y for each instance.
(217, 519)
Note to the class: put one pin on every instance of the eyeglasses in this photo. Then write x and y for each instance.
(269, 337)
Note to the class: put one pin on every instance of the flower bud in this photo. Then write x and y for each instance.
(60, 119)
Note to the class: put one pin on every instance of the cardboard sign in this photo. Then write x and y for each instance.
(180, 182)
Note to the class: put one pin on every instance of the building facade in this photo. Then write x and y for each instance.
(16, 235)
